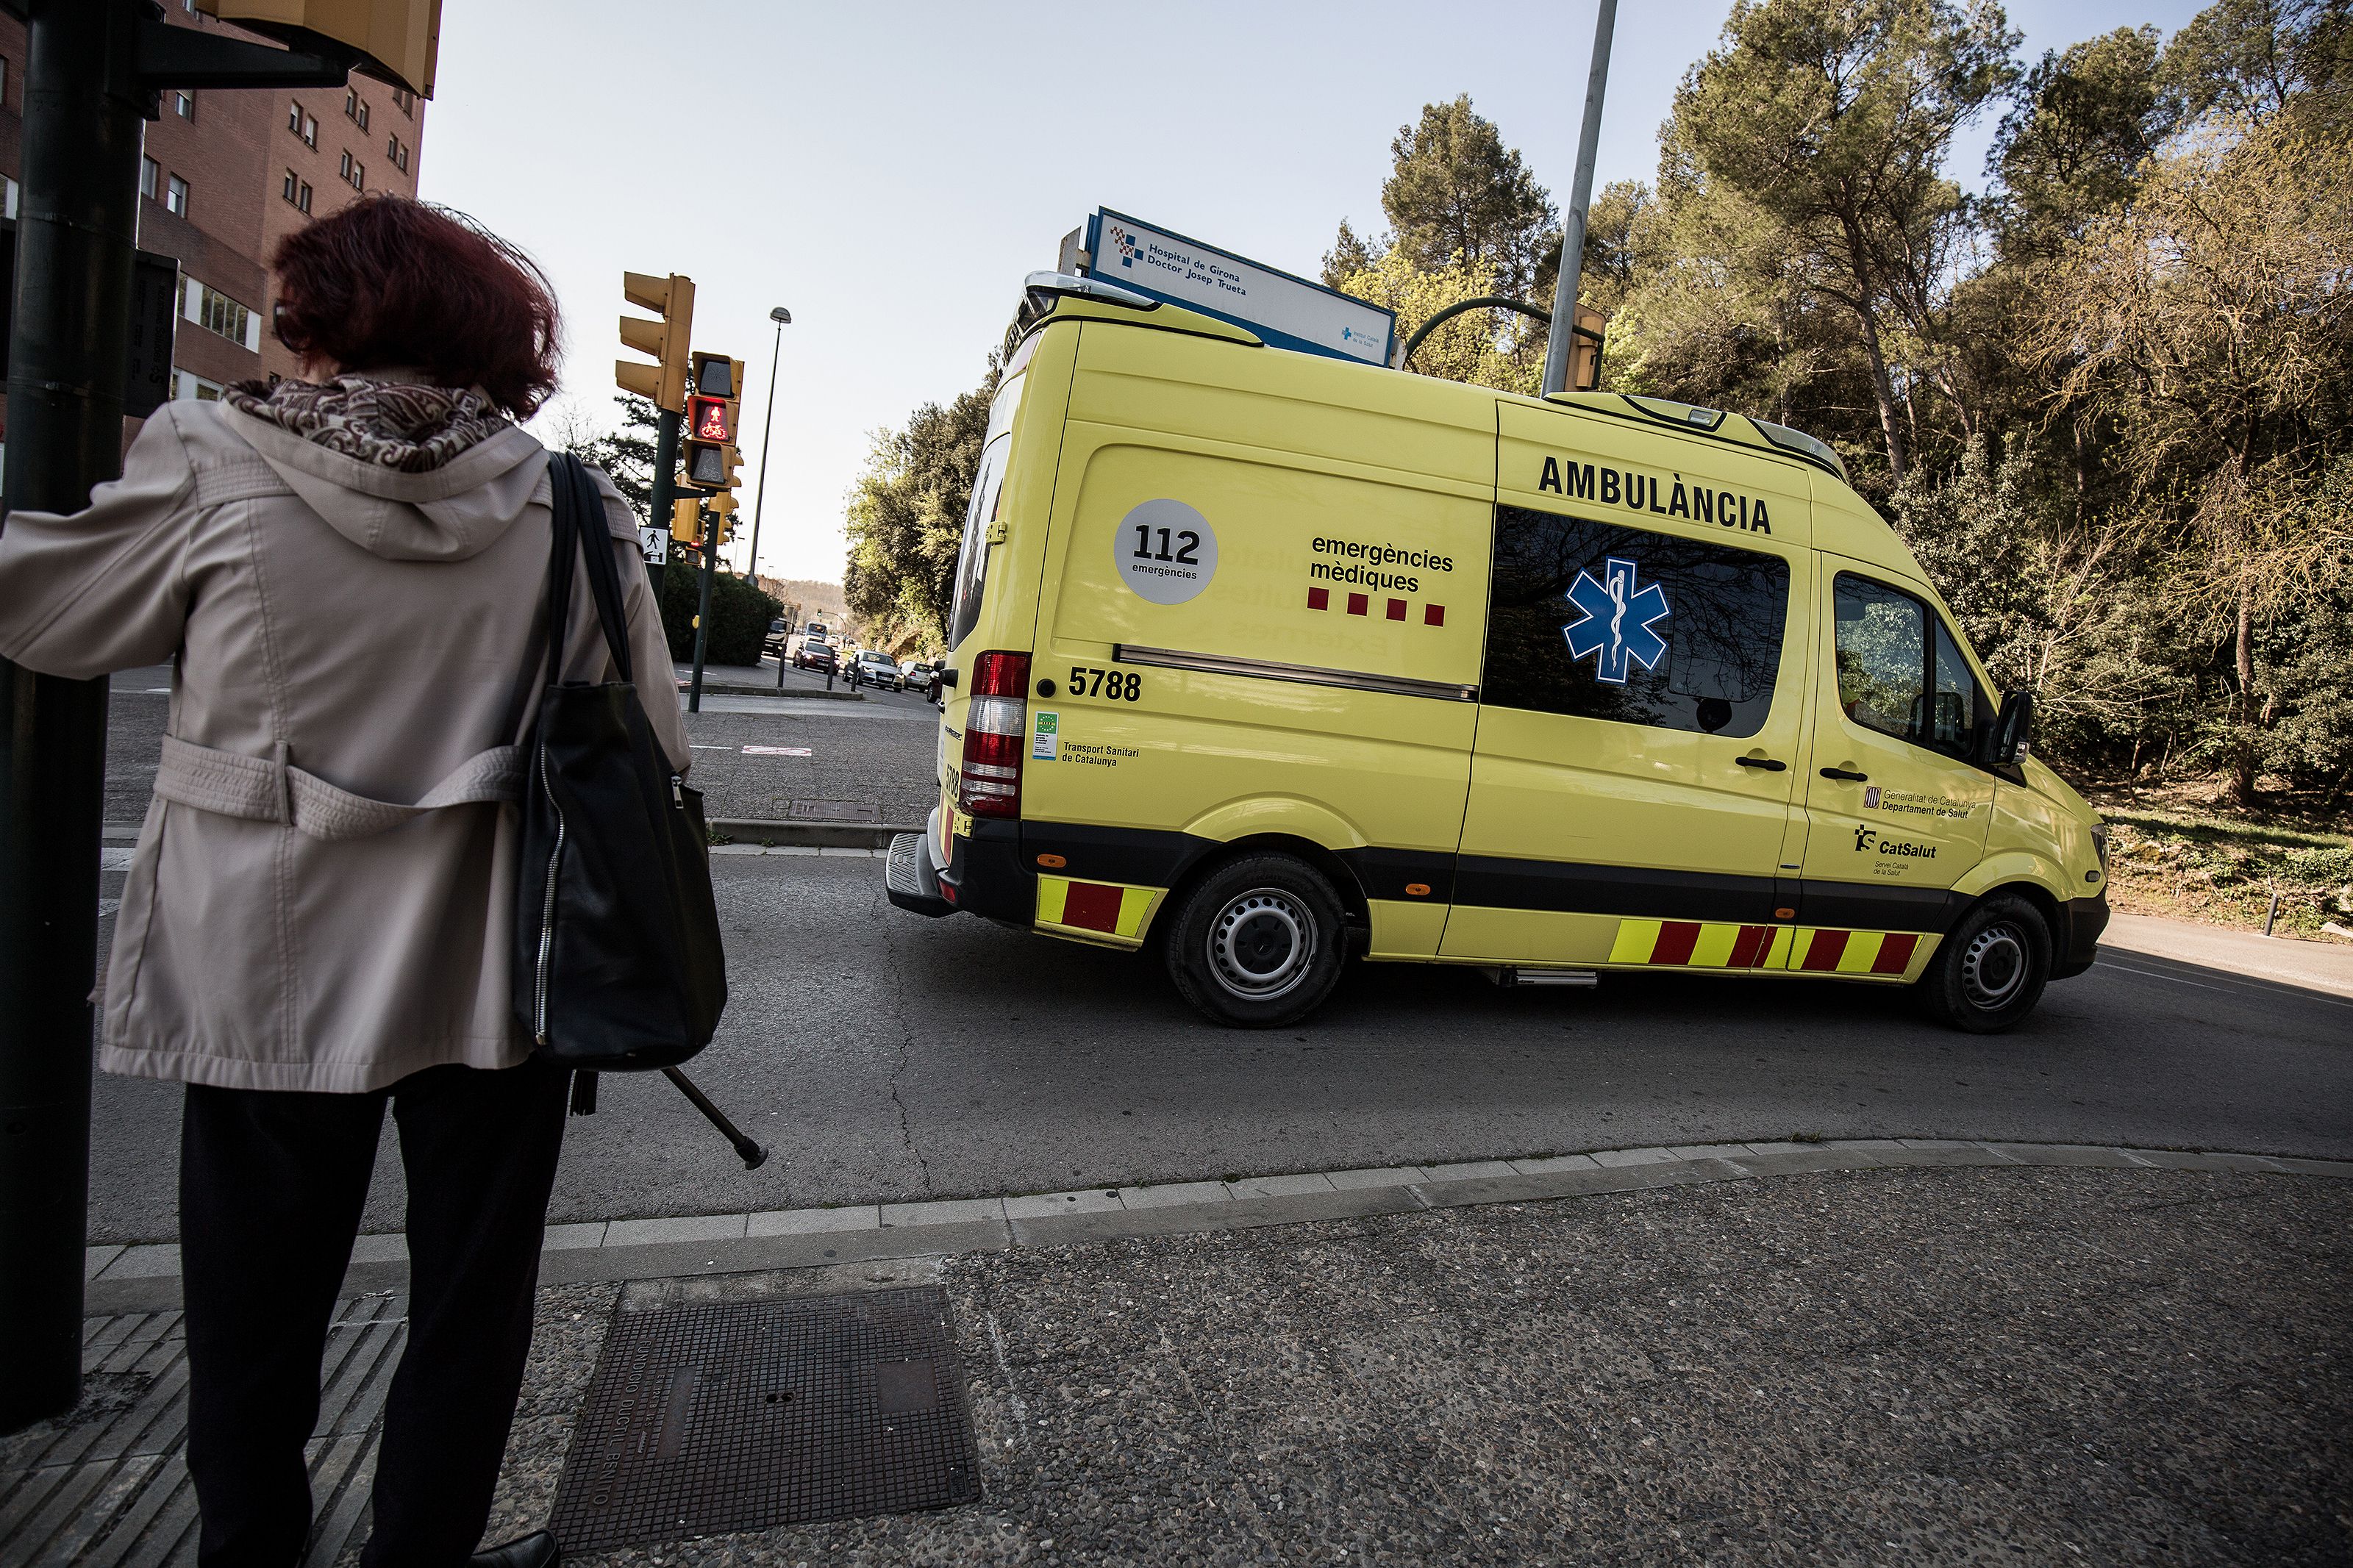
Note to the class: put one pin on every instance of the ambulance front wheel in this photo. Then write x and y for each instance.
(1988, 972)
(1257, 943)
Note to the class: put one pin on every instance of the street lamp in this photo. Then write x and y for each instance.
(783, 318)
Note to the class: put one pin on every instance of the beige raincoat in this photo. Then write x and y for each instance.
(323, 894)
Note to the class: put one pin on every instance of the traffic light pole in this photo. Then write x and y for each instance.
(90, 66)
(703, 609)
(664, 496)
(77, 227)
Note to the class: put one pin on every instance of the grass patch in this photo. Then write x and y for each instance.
(2202, 866)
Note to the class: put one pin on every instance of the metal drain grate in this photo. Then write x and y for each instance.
(747, 1415)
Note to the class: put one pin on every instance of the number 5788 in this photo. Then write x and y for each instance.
(1118, 685)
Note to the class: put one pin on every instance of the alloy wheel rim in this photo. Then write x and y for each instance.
(1993, 966)
(1261, 945)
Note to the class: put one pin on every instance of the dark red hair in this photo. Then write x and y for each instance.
(393, 282)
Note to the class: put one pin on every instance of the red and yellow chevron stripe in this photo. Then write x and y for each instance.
(1104, 910)
(1710, 945)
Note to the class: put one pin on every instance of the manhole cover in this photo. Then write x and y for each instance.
(748, 1415)
(832, 810)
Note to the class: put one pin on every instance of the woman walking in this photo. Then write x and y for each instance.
(347, 572)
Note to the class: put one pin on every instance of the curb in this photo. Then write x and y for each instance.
(146, 1277)
(753, 833)
(730, 688)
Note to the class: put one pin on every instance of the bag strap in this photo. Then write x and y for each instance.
(563, 544)
(603, 577)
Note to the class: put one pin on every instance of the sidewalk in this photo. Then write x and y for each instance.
(2287, 960)
(1906, 1350)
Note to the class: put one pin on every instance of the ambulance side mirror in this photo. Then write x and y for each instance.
(2003, 741)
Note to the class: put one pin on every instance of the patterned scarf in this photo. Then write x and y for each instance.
(399, 425)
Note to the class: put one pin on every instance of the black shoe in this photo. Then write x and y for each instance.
(537, 1549)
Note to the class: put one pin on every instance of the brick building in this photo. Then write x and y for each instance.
(228, 172)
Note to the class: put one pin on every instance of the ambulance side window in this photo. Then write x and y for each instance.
(1882, 657)
(1900, 670)
(972, 556)
(1600, 621)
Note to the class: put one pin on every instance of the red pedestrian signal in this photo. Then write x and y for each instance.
(711, 419)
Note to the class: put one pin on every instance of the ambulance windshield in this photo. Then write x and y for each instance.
(987, 488)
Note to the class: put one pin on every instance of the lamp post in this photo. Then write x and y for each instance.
(783, 318)
(1580, 201)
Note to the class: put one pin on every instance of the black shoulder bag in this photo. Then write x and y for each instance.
(617, 964)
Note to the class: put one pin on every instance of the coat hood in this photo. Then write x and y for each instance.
(444, 492)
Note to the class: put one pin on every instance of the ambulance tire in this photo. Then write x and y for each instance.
(1989, 970)
(1258, 942)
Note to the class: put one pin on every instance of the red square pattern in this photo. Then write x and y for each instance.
(1319, 598)
(1433, 615)
(1358, 603)
(1397, 610)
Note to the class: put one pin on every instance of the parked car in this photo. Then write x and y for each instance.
(776, 640)
(879, 670)
(920, 675)
(811, 653)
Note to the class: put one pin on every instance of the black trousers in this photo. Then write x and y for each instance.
(271, 1186)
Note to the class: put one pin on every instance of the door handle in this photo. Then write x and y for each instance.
(1843, 774)
(1768, 763)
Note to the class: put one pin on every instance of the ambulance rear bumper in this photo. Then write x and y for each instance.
(911, 878)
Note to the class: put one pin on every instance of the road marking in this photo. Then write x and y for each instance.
(776, 751)
(2267, 988)
(701, 747)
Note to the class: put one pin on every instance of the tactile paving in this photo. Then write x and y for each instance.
(744, 1415)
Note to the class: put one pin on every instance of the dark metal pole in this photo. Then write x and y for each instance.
(767, 431)
(1580, 201)
(664, 495)
(702, 610)
(77, 226)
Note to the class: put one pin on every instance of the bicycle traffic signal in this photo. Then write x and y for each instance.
(663, 382)
(715, 392)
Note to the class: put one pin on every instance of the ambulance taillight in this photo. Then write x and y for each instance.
(989, 780)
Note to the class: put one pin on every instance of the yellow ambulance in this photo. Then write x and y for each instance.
(1265, 661)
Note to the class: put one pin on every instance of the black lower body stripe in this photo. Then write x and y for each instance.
(1154, 857)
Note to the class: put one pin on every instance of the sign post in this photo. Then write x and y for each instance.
(1288, 313)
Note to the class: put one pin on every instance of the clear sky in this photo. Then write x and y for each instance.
(890, 172)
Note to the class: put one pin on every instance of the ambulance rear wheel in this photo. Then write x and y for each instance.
(1257, 943)
(1988, 972)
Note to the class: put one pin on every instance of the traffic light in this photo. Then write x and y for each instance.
(663, 382)
(723, 513)
(714, 398)
(399, 41)
(1584, 350)
(686, 520)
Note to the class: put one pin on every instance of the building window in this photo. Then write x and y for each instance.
(183, 104)
(190, 387)
(404, 100)
(8, 197)
(175, 195)
(291, 188)
(303, 123)
(4, 79)
(397, 152)
(150, 175)
(352, 173)
(216, 312)
(302, 197)
(356, 108)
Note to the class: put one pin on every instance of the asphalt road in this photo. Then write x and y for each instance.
(883, 1056)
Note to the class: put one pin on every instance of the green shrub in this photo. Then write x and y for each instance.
(740, 613)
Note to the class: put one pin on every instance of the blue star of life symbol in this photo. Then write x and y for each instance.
(1615, 631)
